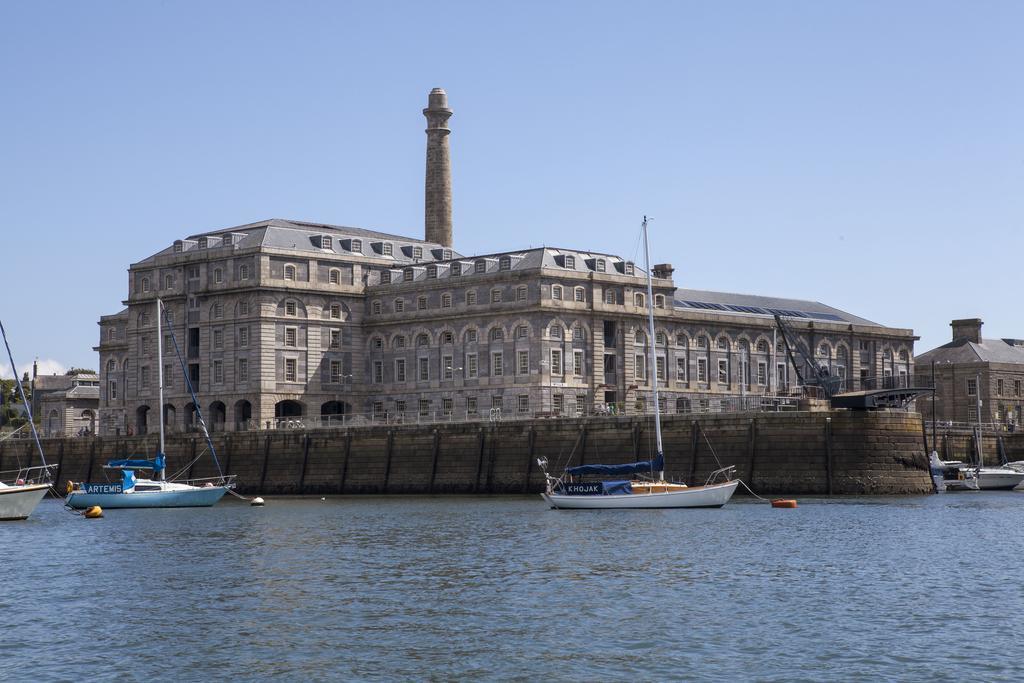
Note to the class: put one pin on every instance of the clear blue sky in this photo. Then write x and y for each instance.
(869, 155)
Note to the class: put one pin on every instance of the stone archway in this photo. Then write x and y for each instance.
(334, 412)
(289, 413)
(53, 423)
(243, 415)
(170, 417)
(218, 416)
(141, 420)
(88, 420)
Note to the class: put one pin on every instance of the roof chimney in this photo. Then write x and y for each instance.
(967, 328)
(438, 200)
(662, 270)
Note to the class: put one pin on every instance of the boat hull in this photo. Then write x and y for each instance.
(18, 502)
(198, 497)
(713, 496)
(999, 479)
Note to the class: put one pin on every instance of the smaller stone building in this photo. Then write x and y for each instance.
(66, 405)
(970, 368)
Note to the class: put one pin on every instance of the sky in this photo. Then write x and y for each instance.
(868, 155)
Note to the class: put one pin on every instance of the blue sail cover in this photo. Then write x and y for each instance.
(127, 479)
(156, 464)
(656, 465)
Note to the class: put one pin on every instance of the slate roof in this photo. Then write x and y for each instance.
(764, 306)
(988, 351)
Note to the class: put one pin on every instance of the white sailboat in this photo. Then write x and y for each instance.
(157, 492)
(566, 492)
(25, 487)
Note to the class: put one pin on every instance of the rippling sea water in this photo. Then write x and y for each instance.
(471, 588)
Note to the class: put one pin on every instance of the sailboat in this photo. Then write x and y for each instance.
(20, 495)
(567, 492)
(131, 491)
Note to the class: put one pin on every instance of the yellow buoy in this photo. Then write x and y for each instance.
(93, 512)
(783, 503)
(70, 486)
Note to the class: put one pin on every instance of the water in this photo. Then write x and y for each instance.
(471, 588)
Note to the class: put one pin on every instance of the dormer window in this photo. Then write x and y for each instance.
(357, 247)
(178, 247)
(446, 254)
(289, 272)
(326, 242)
(431, 272)
(570, 262)
(417, 253)
(505, 263)
(599, 265)
(385, 248)
(628, 268)
(480, 266)
(407, 275)
(456, 269)
(385, 277)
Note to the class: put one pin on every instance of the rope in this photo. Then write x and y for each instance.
(708, 442)
(751, 491)
(185, 468)
(239, 495)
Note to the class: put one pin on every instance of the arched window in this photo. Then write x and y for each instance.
(334, 276)
(556, 292)
(723, 343)
(243, 272)
(681, 340)
(555, 332)
(111, 366)
(578, 294)
(399, 305)
(168, 281)
(497, 334)
(639, 337)
(825, 351)
(659, 339)
(399, 342)
(522, 332)
(218, 275)
(289, 272)
(447, 337)
(471, 336)
(659, 301)
(638, 299)
(422, 339)
(145, 284)
(762, 346)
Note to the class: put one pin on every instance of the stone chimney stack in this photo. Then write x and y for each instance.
(438, 204)
(662, 270)
(967, 328)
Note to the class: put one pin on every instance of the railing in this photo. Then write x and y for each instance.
(968, 426)
(40, 474)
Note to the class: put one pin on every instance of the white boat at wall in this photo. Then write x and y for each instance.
(26, 486)
(648, 487)
(130, 491)
(962, 476)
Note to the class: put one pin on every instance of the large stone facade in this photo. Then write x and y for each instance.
(282, 321)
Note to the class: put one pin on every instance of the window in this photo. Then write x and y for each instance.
(377, 343)
(723, 343)
(424, 407)
(378, 372)
(218, 276)
(762, 373)
(145, 284)
(376, 308)
(447, 368)
(480, 266)
(400, 408)
(627, 268)
(660, 367)
(289, 272)
(495, 296)
(578, 294)
(218, 339)
(144, 376)
(471, 405)
(289, 308)
(523, 403)
(470, 336)
(556, 292)
(290, 369)
(497, 369)
(702, 369)
(218, 311)
(558, 404)
(421, 303)
(824, 350)
(638, 299)
(218, 372)
(446, 407)
(447, 337)
(555, 332)
(334, 276)
(723, 371)
(385, 277)
(702, 342)
(455, 269)
(639, 337)
(291, 335)
(972, 414)
(243, 370)
(417, 253)
(111, 334)
(570, 262)
(243, 308)
(399, 305)
(336, 311)
(378, 410)
(522, 332)
(1016, 387)
(471, 365)
(521, 293)
(424, 369)
(168, 282)
(522, 362)
(446, 300)
(471, 297)
(609, 296)
(400, 370)
(386, 249)
(972, 386)
(422, 339)
(599, 265)
(556, 362)
(659, 339)
(357, 247)
(335, 339)
(243, 272)
(640, 366)
(497, 334)
(399, 342)
(407, 275)
(326, 242)
(681, 369)
(577, 363)
(496, 403)
(505, 263)
(193, 272)
(659, 301)
(999, 387)
(112, 390)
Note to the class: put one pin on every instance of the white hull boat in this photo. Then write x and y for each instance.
(999, 478)
(148, 494)
(711, 496)
(18, 502)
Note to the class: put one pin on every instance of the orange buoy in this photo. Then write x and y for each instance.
(783, 503)
(93, 512)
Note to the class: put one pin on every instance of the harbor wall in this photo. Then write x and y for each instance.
(839, 452)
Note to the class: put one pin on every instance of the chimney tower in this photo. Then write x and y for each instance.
(438, 198)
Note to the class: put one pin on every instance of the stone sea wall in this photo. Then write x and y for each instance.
(837, 452)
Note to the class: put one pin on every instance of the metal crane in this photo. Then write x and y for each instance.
(819, 375)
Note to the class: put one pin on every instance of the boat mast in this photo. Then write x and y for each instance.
(21, 390)
(653, 370)
(160, 377)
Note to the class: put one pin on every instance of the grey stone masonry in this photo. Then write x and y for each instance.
(438, 196)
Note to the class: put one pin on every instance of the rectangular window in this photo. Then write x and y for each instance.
(335, 339)
(399, 305)
(556, 362)
(471, 297)
(243, 336)
(972, 414)
(471, 366)
(421, 303)
(400, 370)
(446, 301)
(386, 249)
(780, 375)
(290, 336)
(640, 366)
(378, 372)
(660, 367)
(168, 376)
(112, 390)
(290, 369)
(289, 308)
(497, 403)
(723, 371)
(702, 369)
(193, 373)
(447, 367)
(336, 311)
(218, 311)
(558, 404)
(144, 377)
(218, 339)
(456, 269)
(762, 373)
(424, 369)
(972, 386)
(243, 272)
(680, 369)
(495, 296)
(1016, 387)
(335, 371)
(577, 363)
(193, 272)
(581, 404)
(522, 362)
(385, 277)
(218, 371)
(471, 405)
(243, 308)
(375, 307)
(496, 364)
(523, 403)
(400, 408)
(243, 370)
(424, 407)
(999, 387)
(446, 406)
(520, 293)
(579, 295)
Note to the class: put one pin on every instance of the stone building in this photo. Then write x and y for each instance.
(970, 369)
(66, 405)
(287, 320)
